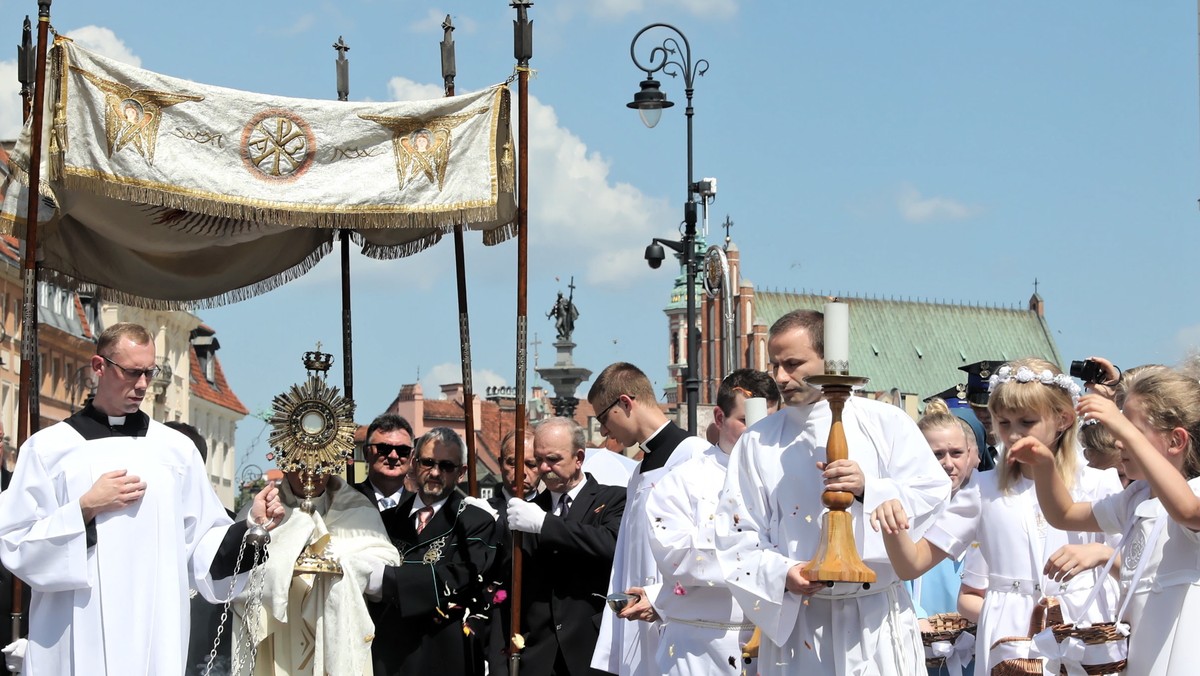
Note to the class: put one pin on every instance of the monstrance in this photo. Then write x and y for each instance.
(313, 434)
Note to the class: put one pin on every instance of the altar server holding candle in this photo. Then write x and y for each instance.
(768, 520)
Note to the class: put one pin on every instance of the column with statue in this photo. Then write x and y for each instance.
(564, 376)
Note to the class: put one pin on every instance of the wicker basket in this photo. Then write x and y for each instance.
(1016, 666)
(1046, 612)
(945, 627)
(1097, 634)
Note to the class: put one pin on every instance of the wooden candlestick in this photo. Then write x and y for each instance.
(837, 558)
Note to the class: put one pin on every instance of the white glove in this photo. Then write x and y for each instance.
(14, 655)
(524, 516)
(482, 504)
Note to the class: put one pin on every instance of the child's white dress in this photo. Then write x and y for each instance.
(1165, 604)
(1014, 543)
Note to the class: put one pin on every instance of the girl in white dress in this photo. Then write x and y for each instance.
(1021, 558)
(1158, 428)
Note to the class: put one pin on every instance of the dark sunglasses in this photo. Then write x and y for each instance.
(402, 450)
(445, 466)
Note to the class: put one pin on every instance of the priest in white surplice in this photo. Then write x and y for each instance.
(317, 624)
(769, 521)
(704, 629)
(624, 401)
(110, 518)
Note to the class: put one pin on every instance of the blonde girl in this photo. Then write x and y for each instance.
(1157, 429)
(1020, 558)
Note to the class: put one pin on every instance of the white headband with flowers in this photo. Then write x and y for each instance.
(1025, 374)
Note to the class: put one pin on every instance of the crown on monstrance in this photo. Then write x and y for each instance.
(317, 361)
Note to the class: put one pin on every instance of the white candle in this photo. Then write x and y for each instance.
(837, 338)
(756, 409)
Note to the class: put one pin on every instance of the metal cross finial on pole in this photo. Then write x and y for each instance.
(449, 69)
(727, 225)
(674, 59)
(26, 68)
(343, 69)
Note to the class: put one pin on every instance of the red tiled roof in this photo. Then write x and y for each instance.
(491, 426)
(83, 320)
(221, 395)
(11, 249)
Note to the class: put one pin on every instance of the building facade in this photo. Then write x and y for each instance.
(910, 349)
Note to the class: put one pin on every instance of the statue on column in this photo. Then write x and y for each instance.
(565, 313)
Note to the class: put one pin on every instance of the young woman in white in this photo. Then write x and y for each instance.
(1158, 428)
(1021, 558)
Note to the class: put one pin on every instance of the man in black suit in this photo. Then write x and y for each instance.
(572, 535)
(501, 572)
(446, 545)
(387, 451)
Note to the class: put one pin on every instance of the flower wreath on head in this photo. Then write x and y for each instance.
(1025, 374)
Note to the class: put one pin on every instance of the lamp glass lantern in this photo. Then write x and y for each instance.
(650, 101)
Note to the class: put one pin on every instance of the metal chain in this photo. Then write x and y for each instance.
(253, 603)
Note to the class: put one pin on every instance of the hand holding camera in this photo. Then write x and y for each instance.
(1098, 374)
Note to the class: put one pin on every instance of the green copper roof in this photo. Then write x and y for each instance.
(917, 347)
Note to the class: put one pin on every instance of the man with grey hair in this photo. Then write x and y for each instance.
(445, 545)
(572, 536)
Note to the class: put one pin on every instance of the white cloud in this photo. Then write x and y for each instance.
(451, 372)
(404, 89)
(105, 43)
(1188, 340)
(432, 22)
(92, 38)
(711, 9)
(10, 101)
(300, 25)
(917, 208)
(577, 212)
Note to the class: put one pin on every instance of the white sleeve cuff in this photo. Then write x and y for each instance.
(374, 588)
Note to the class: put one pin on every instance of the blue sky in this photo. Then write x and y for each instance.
(938, 149)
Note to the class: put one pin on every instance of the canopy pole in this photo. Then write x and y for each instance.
(342, 66)
(522, 52)
(28, 413)
(460, 267)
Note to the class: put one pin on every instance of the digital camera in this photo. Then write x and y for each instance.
(1088, 371)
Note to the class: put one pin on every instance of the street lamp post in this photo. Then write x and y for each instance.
(649, 101)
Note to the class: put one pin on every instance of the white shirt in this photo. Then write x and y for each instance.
(769, 520)
(556, 498)
(380, 496)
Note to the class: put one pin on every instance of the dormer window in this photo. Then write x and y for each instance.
(205, 344)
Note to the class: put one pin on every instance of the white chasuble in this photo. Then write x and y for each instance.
(317, 624)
